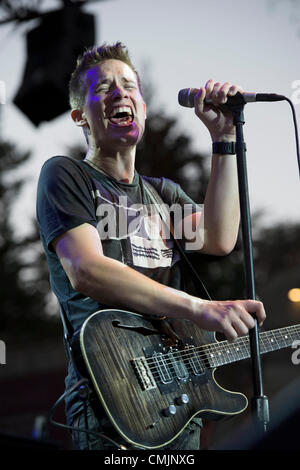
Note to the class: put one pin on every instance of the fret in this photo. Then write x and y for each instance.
(223, 352)
(196, 359)
(278, 339)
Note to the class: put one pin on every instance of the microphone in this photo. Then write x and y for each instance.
(187, 95)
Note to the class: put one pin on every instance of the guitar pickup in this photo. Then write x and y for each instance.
(143, 373)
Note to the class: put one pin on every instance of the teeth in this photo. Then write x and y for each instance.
(121, 109)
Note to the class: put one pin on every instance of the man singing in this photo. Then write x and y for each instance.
(93, 262)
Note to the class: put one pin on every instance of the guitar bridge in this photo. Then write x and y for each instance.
(143, 373)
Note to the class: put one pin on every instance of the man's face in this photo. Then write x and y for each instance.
(114, 107)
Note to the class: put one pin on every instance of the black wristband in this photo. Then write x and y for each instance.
(225, 148)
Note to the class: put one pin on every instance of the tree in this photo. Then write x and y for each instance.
(23, 276)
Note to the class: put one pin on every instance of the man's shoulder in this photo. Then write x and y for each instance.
(61, 172)
(166, 187)
(60, 161)
(161, 183)
(60, 166)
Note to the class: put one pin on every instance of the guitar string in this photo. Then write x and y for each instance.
(204, 365)
(157, 375)
(265, 339)
(231, 349)
(240, 346)
(196, 365)
(207, 351)
(197, 361)
(161, 366)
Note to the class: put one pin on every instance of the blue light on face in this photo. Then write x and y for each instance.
(92, 77)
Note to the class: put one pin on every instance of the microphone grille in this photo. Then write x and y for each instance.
(186, 98)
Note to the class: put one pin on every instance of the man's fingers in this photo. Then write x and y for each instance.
(234, 89)
(257, 308)
(200, 96)
(241, 327)
(239, 318)
(209, 86)
(223, 92)
(232, 318)
(216, 92)
(229, 332)
(214, 95)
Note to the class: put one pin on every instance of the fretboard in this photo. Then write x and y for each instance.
(223, 352)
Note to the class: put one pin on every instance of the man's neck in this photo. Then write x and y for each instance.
(118, 165)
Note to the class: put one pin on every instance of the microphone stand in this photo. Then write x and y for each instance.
(260, 407)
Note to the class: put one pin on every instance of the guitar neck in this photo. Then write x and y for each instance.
(223, 352)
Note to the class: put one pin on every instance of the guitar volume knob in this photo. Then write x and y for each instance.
(170, 411)
(182, 400)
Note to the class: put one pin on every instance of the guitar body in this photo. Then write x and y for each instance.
(141, 377)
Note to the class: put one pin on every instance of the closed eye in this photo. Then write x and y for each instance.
(106, 86)
(102, 88)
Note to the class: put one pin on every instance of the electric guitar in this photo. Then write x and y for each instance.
(152, 377)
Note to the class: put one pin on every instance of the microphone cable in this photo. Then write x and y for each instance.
(296, 130)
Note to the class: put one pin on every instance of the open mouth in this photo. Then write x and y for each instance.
(121, 116)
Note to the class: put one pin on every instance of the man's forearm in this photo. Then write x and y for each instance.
(113, 283)
(221, 206)
(120, 286)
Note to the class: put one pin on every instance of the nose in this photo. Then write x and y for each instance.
(119, 92)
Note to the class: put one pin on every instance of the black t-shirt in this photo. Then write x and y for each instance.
(71, 193)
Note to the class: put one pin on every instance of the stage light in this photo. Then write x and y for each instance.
(294, 294)
(52, 49)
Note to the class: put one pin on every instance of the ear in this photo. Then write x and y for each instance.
(79, 117)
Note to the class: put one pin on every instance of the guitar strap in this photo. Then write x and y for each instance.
(68, 332)
(161, 209)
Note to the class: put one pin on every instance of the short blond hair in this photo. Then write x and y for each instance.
(91, 57)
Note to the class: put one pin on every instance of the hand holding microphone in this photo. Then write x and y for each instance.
(213, 105)
(187, 95)
(208, 102)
